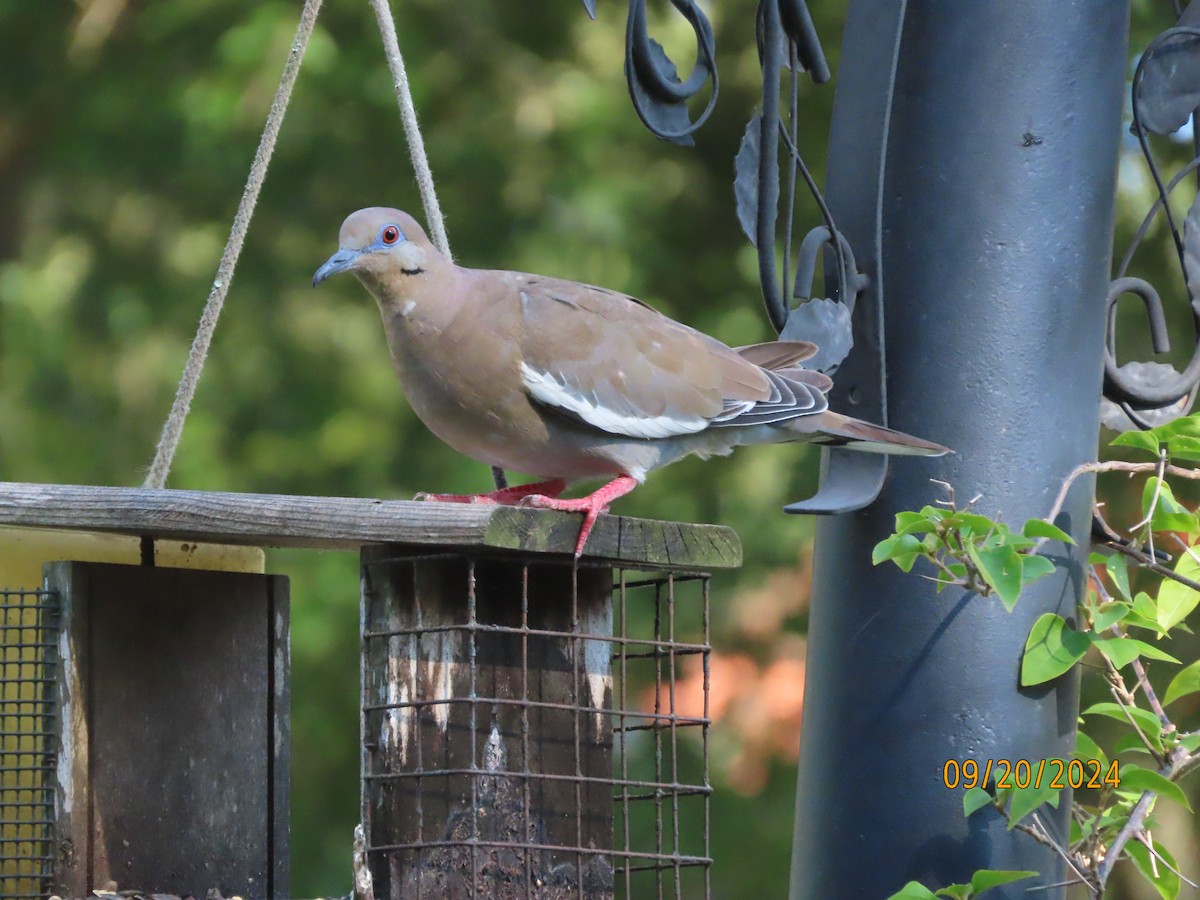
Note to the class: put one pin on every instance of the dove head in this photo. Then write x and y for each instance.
(386, 250)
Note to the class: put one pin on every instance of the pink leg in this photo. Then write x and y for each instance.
(591, 505)
(509, 495)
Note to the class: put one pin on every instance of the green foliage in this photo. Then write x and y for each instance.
(1113, 796)
(1052, 648)
(981, 881)
(970, 550)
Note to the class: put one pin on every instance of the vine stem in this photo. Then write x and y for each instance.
(1132, 468)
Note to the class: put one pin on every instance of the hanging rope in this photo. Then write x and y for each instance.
(412, 131)
(416, 148)
(172, 431)
(173, 428)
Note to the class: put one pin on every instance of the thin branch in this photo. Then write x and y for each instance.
(1126, 700)
(1153, 565)
(1159, 468)
(1148, 841)
(1113, 466)
(1134, 824)
(1049, 841)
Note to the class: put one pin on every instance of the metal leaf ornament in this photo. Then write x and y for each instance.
(745, 179)
(1169, 88)
(787, 41)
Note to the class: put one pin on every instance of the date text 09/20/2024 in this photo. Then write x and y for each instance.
(1055, 774)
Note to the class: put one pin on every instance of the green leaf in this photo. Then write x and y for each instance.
(913, 891)
(1001, 569)
(1086, 748)
(1035, 567)
(1117, 567)
(1186, 425)
(1109, 614)
(974, 799)
(1190, 742)
(975, 524)
(1129, 742)
(956, 571)
(1040, 528)
(902, 549)
(934, 513)
(956, 892)
(1145, 719)
(985, 879)
(1143, 613)
(1122, 650)
(1175, 600)
(1018, 542)
(1160, 873)
(1135, 778)
(1051, 649)
(913, 522)
(1149, 651)
(1186, 681)
(1026, 800)
(1168, 513)
(1139, 440)
(1184, 447)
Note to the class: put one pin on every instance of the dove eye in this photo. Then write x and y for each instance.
(390, 235)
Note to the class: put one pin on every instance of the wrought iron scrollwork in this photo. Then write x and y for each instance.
(658, 95)
(787, 41)
(1165, 95)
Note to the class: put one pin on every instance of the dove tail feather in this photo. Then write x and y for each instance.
(855, 434)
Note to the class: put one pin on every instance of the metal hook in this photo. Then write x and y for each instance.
(1118, 385)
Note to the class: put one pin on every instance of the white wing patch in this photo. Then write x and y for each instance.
(549, 390)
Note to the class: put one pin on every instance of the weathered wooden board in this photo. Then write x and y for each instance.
(420, 754)
(173, 772)
(348, 523)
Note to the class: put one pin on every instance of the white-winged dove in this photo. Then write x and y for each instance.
(568, 382)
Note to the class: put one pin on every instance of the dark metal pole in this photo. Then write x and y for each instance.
(996, 225)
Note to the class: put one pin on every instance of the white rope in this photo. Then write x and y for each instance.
(416, 148)
(172, 431)
(412, 131)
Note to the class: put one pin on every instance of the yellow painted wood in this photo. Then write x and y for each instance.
(23, 551)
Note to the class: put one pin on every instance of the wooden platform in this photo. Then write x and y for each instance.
(349, 523)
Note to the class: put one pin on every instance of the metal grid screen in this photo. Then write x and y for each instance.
(534, 730)
(28, 746)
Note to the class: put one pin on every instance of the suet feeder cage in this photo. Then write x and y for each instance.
(524, 732)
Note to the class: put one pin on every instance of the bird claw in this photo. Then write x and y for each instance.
(592, 506)
(541, 501)
(587, 505)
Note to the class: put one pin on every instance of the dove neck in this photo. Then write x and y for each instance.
(428, 300)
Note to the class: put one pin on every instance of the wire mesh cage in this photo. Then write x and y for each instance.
(534, 730)
(28, 745)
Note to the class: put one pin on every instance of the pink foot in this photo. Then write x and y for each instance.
(591, 505)
(509, 495)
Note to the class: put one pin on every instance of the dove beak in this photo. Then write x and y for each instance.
(341, 261)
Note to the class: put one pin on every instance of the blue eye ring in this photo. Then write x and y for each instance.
(389, 235)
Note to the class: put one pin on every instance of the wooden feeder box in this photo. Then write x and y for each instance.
(488, 725)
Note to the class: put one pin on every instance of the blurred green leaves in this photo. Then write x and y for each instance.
(126, 131)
